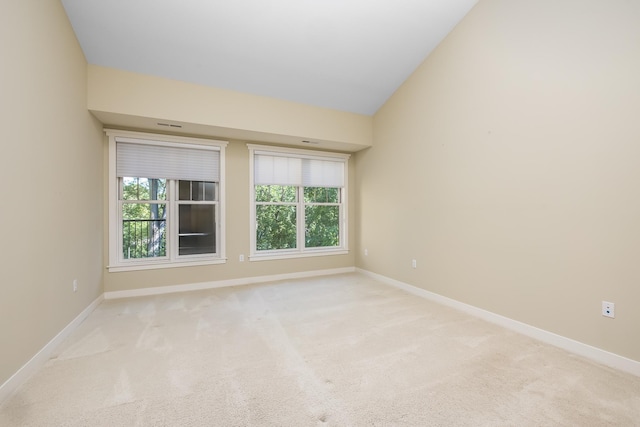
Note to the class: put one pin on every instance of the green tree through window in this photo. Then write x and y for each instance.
(322, 217)
(144, 214)
(277, 210)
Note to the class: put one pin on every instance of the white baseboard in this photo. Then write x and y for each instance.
(37, 361)
(223, 283)
(596, 354)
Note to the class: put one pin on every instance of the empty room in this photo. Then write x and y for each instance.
(307, 213)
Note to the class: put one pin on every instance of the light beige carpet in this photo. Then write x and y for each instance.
(332, 351)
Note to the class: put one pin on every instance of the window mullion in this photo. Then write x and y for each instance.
(301, 219)
(217, 225)
(120, 228)
(172, 213)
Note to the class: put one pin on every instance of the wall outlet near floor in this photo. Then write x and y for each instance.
(75, 285)
(366, 252)
(241, 258)
(608, 309)
(414, 263)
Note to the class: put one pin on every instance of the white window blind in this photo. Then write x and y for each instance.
(276, 170)
(171, 162)
(322, 173)
(280, 170)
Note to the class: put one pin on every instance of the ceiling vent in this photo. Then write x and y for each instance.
(171, 125)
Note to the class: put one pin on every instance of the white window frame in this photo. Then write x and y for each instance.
(116, 261)
(300, 251)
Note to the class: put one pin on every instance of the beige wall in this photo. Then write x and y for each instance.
(137, 100)
(51, 173)
(237, 236)
(508, 166)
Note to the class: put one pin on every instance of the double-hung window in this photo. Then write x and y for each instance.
(298, 202)
(165, 201)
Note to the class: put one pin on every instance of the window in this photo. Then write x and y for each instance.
(165, 197)
(298, 202)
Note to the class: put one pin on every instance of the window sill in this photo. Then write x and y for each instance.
(289, 255)
(158, 265)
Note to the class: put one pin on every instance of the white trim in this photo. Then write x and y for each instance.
(112, 203)
(344, 203)
(221, 220)
(300, 251)
(172, 260)
(301, 153)
(155, 266)
(140, 137)
(172, 144)
(596, 354)
(270, 256)
(223, 283)
(253, 224)
(37, 361)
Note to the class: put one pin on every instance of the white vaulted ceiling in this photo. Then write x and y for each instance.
(348, 55)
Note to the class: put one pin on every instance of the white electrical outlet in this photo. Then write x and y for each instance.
(366, 252)
(608, 309)
(75, 285)
(413, 263)
(241, 258)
